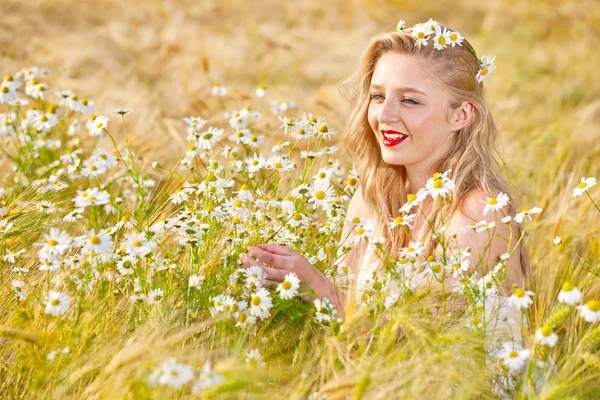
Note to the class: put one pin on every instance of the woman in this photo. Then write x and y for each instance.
(417, 109)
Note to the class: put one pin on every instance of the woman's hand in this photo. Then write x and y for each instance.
(283, 260)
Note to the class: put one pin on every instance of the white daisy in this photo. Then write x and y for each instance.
(569, 294)
(557, 240)
(422, 32)
(432, 24)
(280, 164)
(590, 311)
(520, 298)
(584, 185)
(155, 296)
(439, 185)
(441, 39)
(513, 356)
(196, 281)
(218, 89)
(400, 25)
(55, 242)
(325, 310)
(174, 374)
(546, 337)
(413, 200)
(526, 212)
(138, 244)
(254, 359)
(261, 90)
(321, 194)
(97, 125)
(495, 203)
(486, 69)
(208, 139)
(260, 303)
(289, 287)
(255, 276)
(404, 220)
(98, 243)
(455, 38)
(57, 303)
(413, 250)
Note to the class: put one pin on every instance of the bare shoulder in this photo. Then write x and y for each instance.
(357, 206)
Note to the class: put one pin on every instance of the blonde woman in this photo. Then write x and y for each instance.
(418, 109)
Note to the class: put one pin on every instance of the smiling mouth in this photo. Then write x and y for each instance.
(393, 135)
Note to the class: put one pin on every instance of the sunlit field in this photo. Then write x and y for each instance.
(144, 147)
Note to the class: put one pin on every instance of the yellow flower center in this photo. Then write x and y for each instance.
(95, 240)
(256, 300)
(484, 72)
(403, 261)
(192, 147)
(437, 183)
(351, 181)
(242, 317)
(421, 35)
(137, 243)
(55, 302)
(456, 266)
(360, 231)
(594, 305)
(411, 197)
(245, 187)
(567, 286)
(410, 249)
(430, 259)
(322, 175)
(320, 195)
(323, 129)
(297, 217)
(442, 40)
(453, 36)
(5, 89)
(286, 285)
(253, 138)
(513, 354)
(397, 220)
(278, 165)
(43, 118)
(492, 201)
(236, 220)
(356, 220)
(546, 330)
(519, 292)
(525, 210)
(582, 185)
(237, 203)
(52, 242)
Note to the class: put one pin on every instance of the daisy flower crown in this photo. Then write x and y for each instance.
(445, 38)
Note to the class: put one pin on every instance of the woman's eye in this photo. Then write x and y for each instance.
(410, 101)
(374, 96)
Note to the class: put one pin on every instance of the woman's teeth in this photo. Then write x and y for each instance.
(394, 136)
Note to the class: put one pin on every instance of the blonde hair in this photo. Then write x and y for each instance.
(472, 157)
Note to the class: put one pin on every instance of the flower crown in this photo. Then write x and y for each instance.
(445, 38)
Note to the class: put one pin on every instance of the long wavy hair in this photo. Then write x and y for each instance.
(473, 157)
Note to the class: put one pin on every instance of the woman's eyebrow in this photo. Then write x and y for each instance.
(402, 89)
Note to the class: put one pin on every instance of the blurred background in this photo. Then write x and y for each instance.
(161, 58)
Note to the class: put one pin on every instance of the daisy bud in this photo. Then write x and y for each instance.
(557, 240)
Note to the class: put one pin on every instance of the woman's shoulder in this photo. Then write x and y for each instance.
(357, 206)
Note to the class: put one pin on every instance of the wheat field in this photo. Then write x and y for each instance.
(144, 300)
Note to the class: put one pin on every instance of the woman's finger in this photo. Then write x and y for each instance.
(250, 262)
(276, 248)
(273, 260)
(274, 274)
(271, 283)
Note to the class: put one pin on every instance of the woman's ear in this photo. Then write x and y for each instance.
(462, 116)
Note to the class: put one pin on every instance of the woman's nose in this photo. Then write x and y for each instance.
(389, 112)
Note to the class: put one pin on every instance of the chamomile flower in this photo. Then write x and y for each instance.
(413, 250)
(57, 303)
(254, 359)
(289, 287)
(208, 139)
(413, 200)
(513, 356)
(196, 281)
(402, 220)
(56, 242)
(261, 303)
(569, 294)
(5, 226)
(546, 337)
(97, 125)
(422, 32)
(487, 66)
(441, 39)
(255, 276)
(495, 203)
(280, 164)
(121, 111)
(526, 212)
(520, 298)
(173, 374)
(455, 38)
(138, 244)
(218, 89)
(98, 243)
(325, 310)
(439, 185)
(557, 240)
(155, 296)
(321, 194)
(584, 185)
(261, 90)
(590, 311)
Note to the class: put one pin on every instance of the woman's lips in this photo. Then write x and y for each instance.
(392, 138)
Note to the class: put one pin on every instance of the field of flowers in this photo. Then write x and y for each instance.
(144, 149)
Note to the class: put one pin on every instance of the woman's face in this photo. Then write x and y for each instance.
(407, 102)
